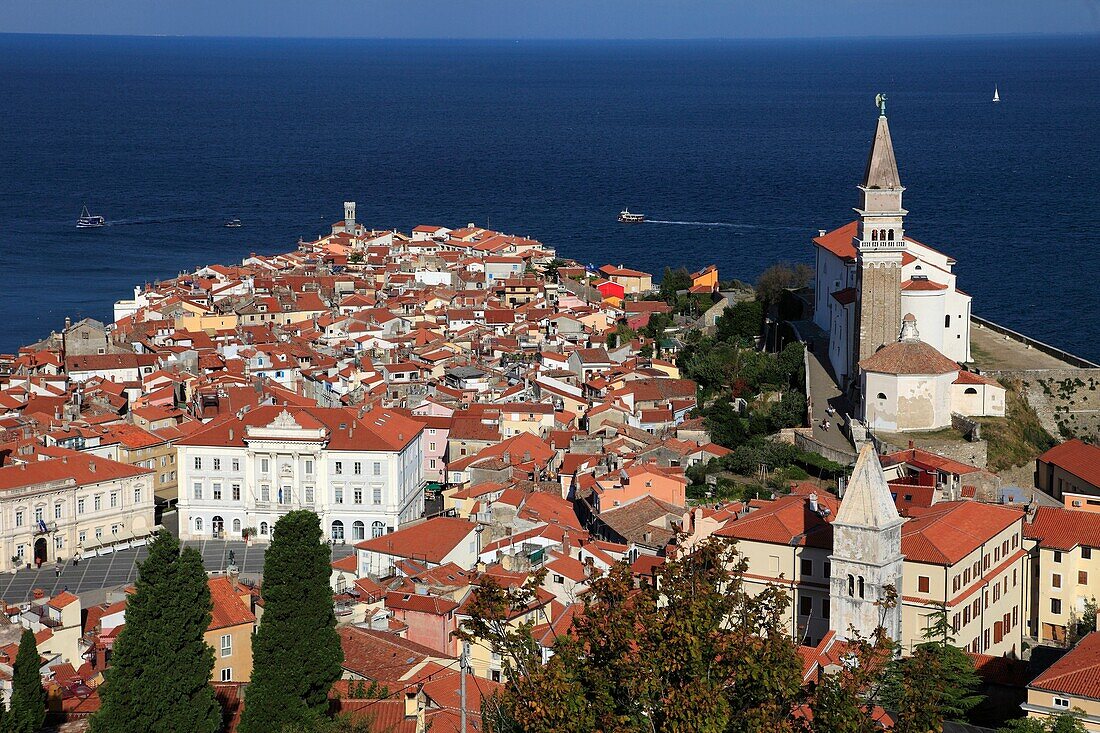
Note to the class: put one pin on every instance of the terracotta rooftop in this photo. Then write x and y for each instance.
(1077, 457)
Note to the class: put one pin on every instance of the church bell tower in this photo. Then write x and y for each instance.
(879, 243)
(866, 554)
(349, 216)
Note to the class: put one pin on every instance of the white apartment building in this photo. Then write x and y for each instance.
(361, 472)
(53, 508)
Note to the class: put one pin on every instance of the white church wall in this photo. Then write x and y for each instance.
(956, 333)
(899, 403)
(832, 275)
(929, 308)
(978, 400)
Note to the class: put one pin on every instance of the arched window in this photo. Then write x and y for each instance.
(217, 525)
(947, 321)
(358, 531)
(882, 396)
(861, 586)
(970, 390)
(874, 235)
(263, 528)
(377, 529)
(236, 526)
(851, 585)
(337, 530)
(198, 524)
(891, 237)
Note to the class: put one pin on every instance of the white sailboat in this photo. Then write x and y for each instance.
(996, 94)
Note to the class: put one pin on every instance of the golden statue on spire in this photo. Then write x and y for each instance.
(880, 102)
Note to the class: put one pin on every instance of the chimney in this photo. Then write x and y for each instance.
(812, 498)
(231, 434)
(91, 466)
(565, 542)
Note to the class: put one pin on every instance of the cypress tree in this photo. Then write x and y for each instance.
(28, 698)
(296, 652)
(159, 679)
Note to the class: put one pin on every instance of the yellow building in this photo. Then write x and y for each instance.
(1065, 569)
(835, 563)
(230, 632)
(1072, 684)
(151, 449)
(707, 277)
(633, 281)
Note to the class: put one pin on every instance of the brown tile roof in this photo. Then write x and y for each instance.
(908, 357)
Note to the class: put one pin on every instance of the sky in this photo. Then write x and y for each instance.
(557, 19)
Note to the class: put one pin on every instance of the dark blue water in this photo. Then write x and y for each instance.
(169, 137)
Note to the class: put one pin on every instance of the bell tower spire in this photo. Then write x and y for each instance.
(879, 243)
(866, 555)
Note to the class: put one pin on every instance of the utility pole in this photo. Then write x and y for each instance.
(463, 661)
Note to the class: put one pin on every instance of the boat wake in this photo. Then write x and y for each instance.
(703, 223)
(727, 224)
(157, 220)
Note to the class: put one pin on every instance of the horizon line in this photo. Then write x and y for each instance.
(572, 39)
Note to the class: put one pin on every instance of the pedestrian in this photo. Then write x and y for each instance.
(57, 568)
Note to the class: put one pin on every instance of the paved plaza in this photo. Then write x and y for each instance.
(120, 568)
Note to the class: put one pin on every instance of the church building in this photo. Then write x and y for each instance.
(869, 274)
(874, 285)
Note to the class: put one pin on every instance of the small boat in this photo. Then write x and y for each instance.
(232, 223)
(996, 94)
(626, 217)
(89, 221)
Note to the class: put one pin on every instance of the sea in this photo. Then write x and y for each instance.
(741, 150)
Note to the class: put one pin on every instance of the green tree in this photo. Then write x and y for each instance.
(159, 679)
(693, 653)
(741, 322)
(296, 652)
(28, 698)
(780, 277)
(935, 684)
(551, 268)
(1068, 722)
(673, 281)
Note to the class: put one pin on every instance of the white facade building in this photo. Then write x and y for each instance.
(360, 472)
(847, 260)
(55, 508)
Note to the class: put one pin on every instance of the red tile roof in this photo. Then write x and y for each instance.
(1064, 529)
(1076, 457)
(908, 357)
(84, 469)
(922, 285)
(378, 430)
(229, 609)
(839, 241)
(431, 541)
(1077, 673)
(787, 520)
(945, 533)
